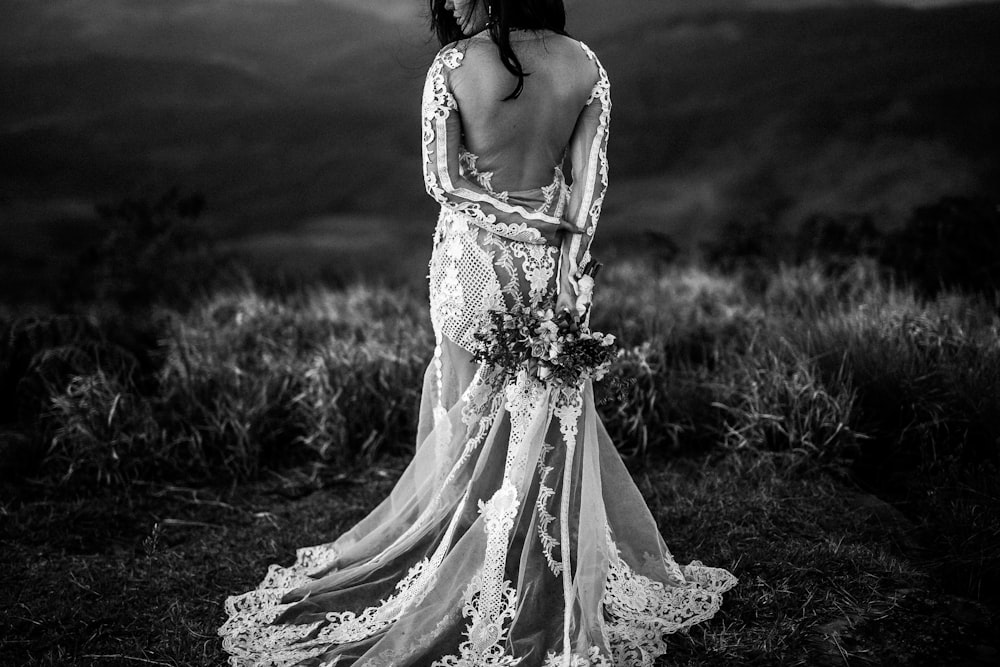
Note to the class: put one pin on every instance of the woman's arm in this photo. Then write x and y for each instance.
(442, 134)
(588, 154)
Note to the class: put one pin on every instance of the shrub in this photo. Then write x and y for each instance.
(927, 376)
(104, 432)
(951, 244)
(152, 252)
(837, 239)
(39, 355)
(248, 384)
(773, 398)
(264, 383)
(713, 367)
(817, 359)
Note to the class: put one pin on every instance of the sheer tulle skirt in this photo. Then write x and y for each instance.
(515, 537)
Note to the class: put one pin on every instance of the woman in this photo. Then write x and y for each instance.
(516, 536)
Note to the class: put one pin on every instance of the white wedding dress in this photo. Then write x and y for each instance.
(516, 536)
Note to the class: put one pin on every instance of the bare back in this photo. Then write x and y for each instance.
(522, 140)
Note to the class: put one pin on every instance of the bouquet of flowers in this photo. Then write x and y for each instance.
(557, 350)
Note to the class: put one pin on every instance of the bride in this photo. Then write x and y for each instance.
(516, 536)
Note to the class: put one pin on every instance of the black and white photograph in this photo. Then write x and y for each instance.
(499, 333)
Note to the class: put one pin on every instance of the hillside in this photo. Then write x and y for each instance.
(298, 120)
(831, 440)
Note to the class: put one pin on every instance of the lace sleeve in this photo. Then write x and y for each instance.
(588, 154)
(442, 133)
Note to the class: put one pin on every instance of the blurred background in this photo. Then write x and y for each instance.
(287, 131)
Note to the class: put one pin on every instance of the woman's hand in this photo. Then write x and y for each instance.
(567, 296)
(555, 234)
(566, 301)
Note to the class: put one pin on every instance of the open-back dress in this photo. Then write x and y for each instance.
(515, 536)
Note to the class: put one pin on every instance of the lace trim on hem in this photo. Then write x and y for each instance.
(640, 612)
(249, 630)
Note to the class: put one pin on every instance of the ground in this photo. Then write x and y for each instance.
(827, 572)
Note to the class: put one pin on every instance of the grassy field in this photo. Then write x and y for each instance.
(827, 435)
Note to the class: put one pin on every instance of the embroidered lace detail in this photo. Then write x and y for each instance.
(498, 515)
(568, 413)
(249, 630)
(592, 659)
(452, 58)
(503, 262)
(545, 518)
(521, 232)
(463, 283)
(438, 104)
(602, 94)
(539, 267)
(486, 634)
(394, 658)
(641, 611)
(490, 600)
(588, 196)
(347, 626)
(468, 160)
(555, 188)
(477, 398)
(486, 407)
(525, 397)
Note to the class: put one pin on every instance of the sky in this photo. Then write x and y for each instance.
(281, 112)
(931, 3)
(404, 9)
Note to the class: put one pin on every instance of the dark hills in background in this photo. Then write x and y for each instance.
(299, 119)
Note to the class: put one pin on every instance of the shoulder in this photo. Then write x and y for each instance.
(579, 57)
(584, 66)
(449, 57)
(475, 49)
(594, 63)
(587, 51)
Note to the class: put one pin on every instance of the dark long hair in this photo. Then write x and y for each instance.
(506, 15)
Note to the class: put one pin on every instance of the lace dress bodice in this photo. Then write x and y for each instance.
(494, 247)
